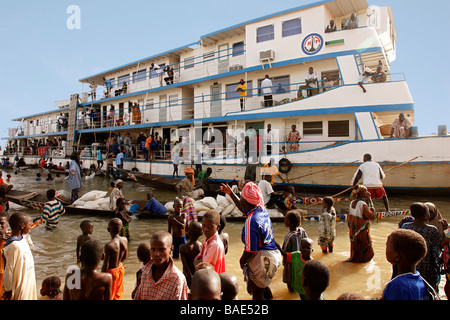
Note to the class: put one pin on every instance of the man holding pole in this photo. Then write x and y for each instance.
(372, 174)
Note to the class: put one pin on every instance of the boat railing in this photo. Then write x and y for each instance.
(206, 64)
(198, 107)
(35, 149)
(231, 148)
(174, 108)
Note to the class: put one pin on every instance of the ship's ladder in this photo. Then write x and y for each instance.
(73, 106)
(359, 62)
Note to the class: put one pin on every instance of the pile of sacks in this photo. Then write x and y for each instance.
(222, 204)
(93, 200)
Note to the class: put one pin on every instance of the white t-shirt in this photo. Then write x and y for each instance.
(157, 68)
(266, 190)
(266, 86)
(370, 174)
(311, 76)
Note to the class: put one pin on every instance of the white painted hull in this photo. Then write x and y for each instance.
(333, 167)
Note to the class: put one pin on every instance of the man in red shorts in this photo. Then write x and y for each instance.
(372, 174)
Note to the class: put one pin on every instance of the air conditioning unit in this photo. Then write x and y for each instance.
(236, 67)
(267, 55)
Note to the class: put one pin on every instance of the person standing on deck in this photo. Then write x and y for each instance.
(266, 88)
(372, 174)
(242, 88)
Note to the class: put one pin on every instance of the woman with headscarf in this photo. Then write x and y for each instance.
(115, 194)
(186, 187)
(75, 182)
(442, 225)
(361, 212)
(261, 257)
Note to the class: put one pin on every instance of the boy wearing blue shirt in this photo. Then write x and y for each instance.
(405, 248)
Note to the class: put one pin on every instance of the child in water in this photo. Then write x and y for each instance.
(51, 288)
(292, 242)
(327, 225)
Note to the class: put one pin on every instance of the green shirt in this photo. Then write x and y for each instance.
(203, 175)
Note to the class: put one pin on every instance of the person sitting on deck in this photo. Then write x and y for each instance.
(401, 127)
(364, 77)
(186, 187)
(352, 22)
(380, 76)
(331, 27)
(271, 169)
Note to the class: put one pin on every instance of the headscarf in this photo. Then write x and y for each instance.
(359, 188)
(437, 217)
(118, 181)
(190, 170)
(252, 194)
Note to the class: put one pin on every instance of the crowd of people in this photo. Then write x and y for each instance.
(415, 251)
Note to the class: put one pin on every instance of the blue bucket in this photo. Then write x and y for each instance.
(134, 208)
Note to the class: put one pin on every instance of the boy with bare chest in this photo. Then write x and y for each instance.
(116, 252)
(177, 227)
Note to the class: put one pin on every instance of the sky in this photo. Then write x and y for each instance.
(42, 59)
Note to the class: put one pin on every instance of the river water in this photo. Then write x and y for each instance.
(54, 251)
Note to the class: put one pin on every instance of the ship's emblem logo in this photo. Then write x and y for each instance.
(312, 44)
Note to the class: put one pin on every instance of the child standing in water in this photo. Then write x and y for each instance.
(122, 214)
(212, 251)
(51, 288)
(19, 279)
(177, 227)
(87, 227)
(327, 225)
(190, 250)
(93, 285)
(292, 243)
(116, 252)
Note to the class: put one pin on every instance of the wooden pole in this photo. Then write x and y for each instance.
(310, 174)
(349, 188)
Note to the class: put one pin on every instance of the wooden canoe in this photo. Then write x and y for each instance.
(31, 200)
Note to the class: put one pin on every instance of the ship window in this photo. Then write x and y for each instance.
(338, 129)
(265, 33)
(231, 92)
(280, 85)
(208, 56)
(238, 49)
(173, 100)
(153, 73)
(292, 27)
(312, 128)
(123, 79)
(140, 75)
(189, 63)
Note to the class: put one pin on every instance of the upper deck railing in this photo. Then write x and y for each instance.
(207, 64)
(174, 109)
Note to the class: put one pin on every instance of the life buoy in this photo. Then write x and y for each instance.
(284, 166)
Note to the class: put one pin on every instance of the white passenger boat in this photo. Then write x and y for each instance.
(199, 108)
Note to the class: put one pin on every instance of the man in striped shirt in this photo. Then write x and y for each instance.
(53, 209)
